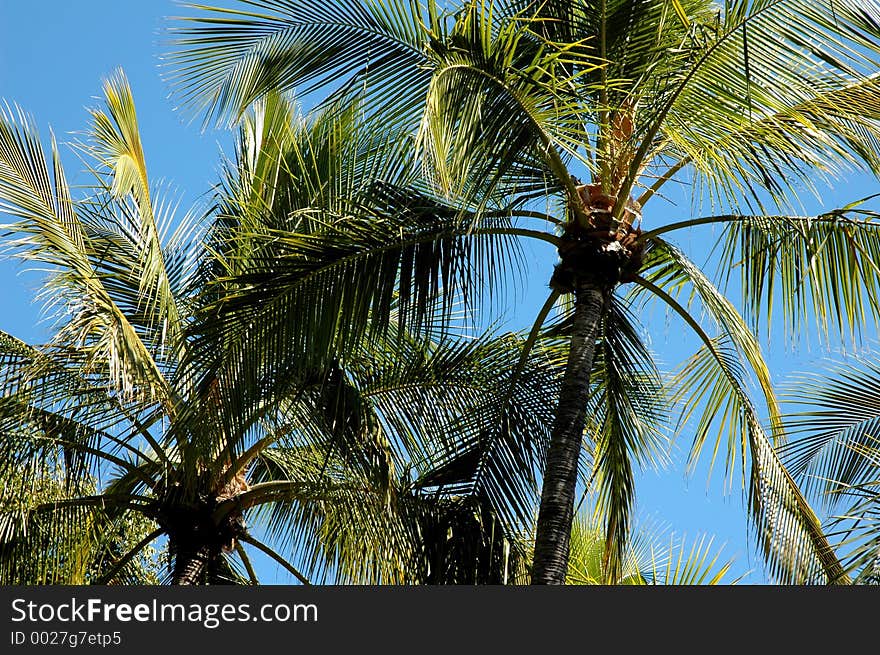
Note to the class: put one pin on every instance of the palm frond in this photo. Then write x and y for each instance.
(816, 269)
(486, 426)
(779, 91)
(502, 111)
(628, 419)
(698, 565)
(834, 417)
(712, 383)
(228, 58)
(651, 557)
(669, 268)
(50, 232)
(281, 283)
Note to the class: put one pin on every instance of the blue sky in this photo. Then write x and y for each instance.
(53, 55)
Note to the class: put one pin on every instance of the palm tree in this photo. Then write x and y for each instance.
(509, 101)
(402, 461)
(835, 454)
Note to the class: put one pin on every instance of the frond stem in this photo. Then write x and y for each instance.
(271, 553)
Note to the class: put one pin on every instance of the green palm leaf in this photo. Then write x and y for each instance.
(229, 58)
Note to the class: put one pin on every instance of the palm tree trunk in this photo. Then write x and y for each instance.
(555, 517)
(191, 563)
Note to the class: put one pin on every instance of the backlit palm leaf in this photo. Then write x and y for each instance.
(340, 44)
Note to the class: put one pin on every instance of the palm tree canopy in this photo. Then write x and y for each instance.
(374, 437)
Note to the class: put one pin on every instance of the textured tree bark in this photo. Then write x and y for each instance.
(191, 563)
(550, 564)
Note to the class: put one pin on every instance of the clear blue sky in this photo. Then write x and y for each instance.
(53, 55)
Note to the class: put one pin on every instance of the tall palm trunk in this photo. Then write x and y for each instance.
(197, 557)
(560, 475)
(192, 563)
